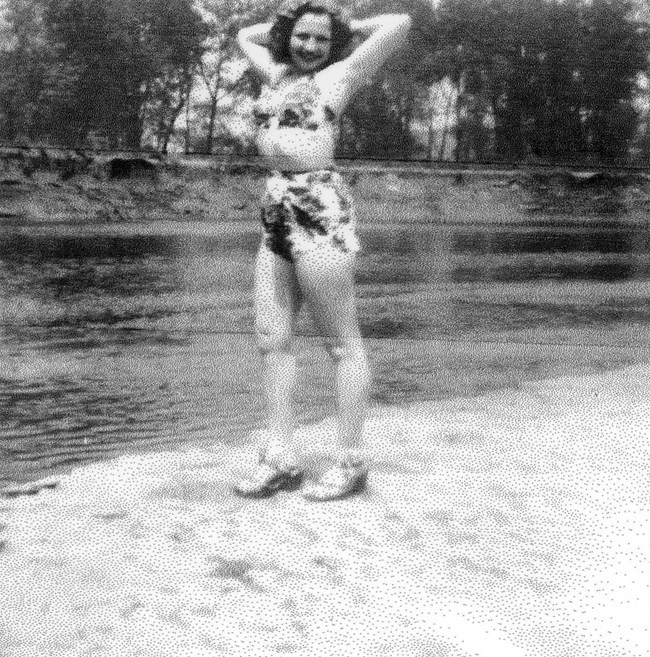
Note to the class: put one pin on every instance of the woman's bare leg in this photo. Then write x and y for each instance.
(326, 278)
(277, 301)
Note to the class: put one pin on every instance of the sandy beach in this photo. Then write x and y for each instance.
(515, 523)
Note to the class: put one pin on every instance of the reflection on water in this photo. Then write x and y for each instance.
(114, 340)
(596, 255)
(609, 271)
(619, 240)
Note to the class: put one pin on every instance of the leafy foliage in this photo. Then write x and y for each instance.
(216, 70)
(558, 75)
(542, 79)
(97, 68)
(378, 122)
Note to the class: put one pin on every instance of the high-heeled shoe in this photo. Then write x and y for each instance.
(269, 479)
(342, 480)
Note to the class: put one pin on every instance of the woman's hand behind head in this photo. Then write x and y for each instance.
(293, 11)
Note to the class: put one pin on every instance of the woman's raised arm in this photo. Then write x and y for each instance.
(254, 42)
(385, 34)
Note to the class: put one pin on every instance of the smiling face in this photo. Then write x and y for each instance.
(311, 42)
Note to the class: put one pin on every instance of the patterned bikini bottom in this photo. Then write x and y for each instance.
(306, 211)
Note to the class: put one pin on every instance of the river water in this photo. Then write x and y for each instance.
(125, 337)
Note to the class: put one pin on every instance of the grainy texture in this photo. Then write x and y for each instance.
(199, 191)
(510, 524)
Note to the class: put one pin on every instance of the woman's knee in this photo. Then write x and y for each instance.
(273, 341)
(340, 349)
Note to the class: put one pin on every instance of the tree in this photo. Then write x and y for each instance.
(558, 74)
(378, 122)
(613, 57)
(642, 18)
(220, 70)
(82, 70)
(137, 59)
(554, 115)
(33, 79)
(375, 125)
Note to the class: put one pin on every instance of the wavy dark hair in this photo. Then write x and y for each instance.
(287, 17)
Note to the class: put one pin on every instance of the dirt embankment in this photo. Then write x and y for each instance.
(49, 185)
(52, 186)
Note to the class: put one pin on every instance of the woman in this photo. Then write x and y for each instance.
(309, 245)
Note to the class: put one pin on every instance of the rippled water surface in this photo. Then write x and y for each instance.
(124, 337)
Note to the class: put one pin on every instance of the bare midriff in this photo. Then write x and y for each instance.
(296, 149)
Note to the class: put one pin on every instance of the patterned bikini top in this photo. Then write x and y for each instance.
(294, 105)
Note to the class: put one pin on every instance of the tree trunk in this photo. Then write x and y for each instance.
(431, 135)
(214, 101)
(211, 123)
(445, 128)
(461, 135)
(134, 122)
(168, 129)
(188, 136)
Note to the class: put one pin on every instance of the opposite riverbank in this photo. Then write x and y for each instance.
(112, 188)
(514, 523)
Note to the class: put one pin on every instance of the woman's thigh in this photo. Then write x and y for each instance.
(277, 295)
(326, 278)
